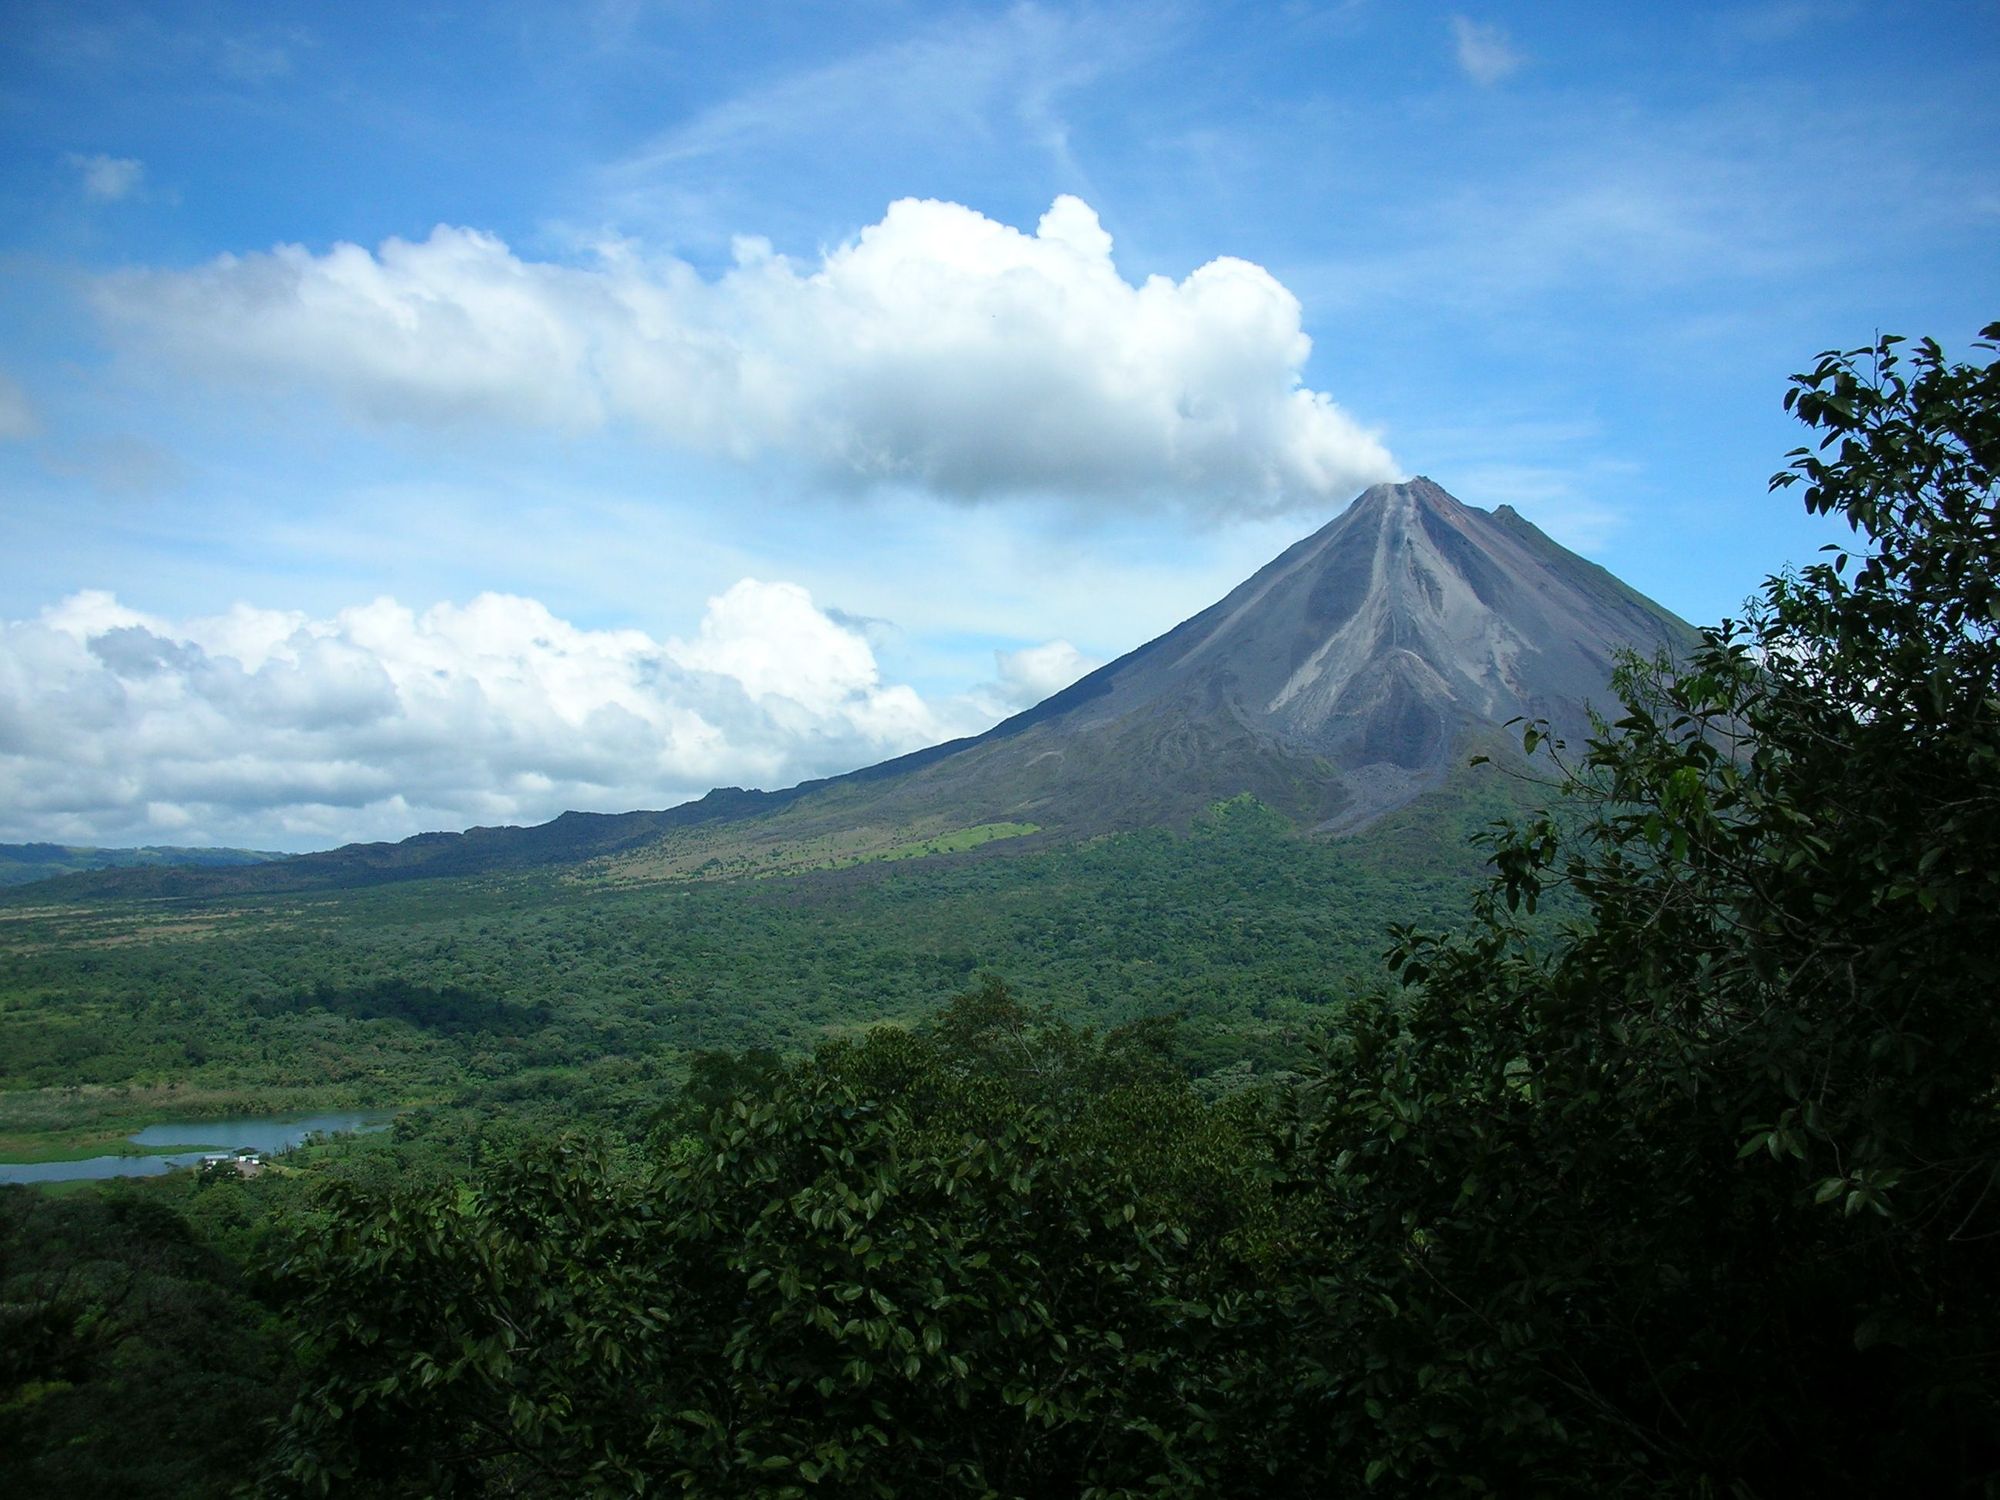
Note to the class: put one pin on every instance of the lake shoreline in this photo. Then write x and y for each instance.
(156, 1149)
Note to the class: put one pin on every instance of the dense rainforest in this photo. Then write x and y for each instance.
(1667, 1166)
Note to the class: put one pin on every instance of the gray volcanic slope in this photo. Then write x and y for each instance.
(1337, 683)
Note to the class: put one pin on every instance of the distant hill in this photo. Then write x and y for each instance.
(1342, 681)
(22, 864)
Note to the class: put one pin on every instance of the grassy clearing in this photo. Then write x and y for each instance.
(957, 841)
(79, 1145)
(707, 856)
(18, 1150)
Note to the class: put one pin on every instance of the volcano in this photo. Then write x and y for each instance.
(1345, 678)
(1339, 682)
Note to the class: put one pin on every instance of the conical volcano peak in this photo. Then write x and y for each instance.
(1338, 681)
(1382, 641)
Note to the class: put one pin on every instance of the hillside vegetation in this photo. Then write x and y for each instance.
(547, 986)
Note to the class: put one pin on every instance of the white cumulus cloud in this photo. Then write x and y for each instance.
(273, 729)
(1033, 673)
(937, 349)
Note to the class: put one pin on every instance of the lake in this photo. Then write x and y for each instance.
(269, 1133)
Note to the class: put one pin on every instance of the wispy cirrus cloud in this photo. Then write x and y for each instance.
(1640, 206)
(1485, 53)
(1003, 77)
(18, 418)
(257, 59)
(107, 179)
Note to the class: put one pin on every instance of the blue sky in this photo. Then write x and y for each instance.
(419, 416)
